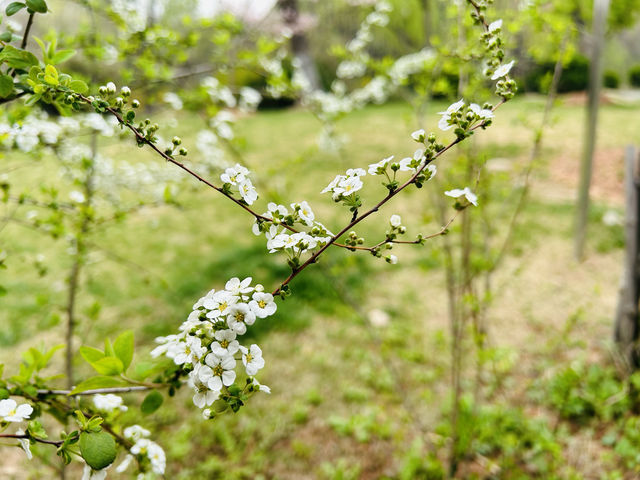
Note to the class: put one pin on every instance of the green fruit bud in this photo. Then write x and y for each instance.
(98, 449)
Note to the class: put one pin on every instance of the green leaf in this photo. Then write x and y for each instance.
(6, 86)
(96, 382)
(91, 354)
(6, 36)
(16, 58)
(144, 370)
(108, 348)
(32, 100)
(123, 348)
(151, 402)
(98, 449)
(13, 8)
(79, 86)
(39, 6)
(62, 56)
(108, 366)
(49, 354)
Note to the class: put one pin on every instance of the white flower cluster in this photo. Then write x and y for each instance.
(207, 346)
(218, 92)
(10, 411)
(330, 106)
(39, 130)
(213, 156)
(250, 98)
(143, 447)
(456, 112)
(411, 64)
(280, 239)
(108, 403)
(173, 100)
(345, 185)
(379, 17)
(238, 176)
(496, 69)
(130, 13)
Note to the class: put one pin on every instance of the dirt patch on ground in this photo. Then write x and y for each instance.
(607, 182)
(315, 443)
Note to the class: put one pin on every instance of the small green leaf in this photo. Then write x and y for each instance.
(108, 348)
(14, 8)
(79, 86)
(98, 382)
(144, 370)
(16, 58)
(49, 354)
(6, 86)
(151, 402)
(62, 55)
(98, 449)
(91, 354)
(108, 366)
(39, 6)
(6, 36)
(123, 348)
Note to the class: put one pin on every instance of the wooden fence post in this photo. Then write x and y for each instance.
(626, 324)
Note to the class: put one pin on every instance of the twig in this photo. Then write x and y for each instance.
(95, 391)
(25, 37)
(26, 436)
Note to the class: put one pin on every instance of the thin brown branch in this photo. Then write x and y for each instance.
(141, 138)
(96, 391)
(26, 436)
(25, 37)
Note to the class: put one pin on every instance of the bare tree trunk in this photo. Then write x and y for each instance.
(600, 13)
(299, 43)
(626, 326)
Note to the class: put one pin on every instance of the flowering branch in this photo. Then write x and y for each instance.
(382, 202)
(419, 241)
(143, 140)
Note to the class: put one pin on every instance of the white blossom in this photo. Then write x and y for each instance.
(108, 403)
(482, 113)
(222, 369)
(252, 359)
(10, 411)
(25, 444)
(502, 70)
(135, 432)
(240, 315)
(493, 26)
(380, 167)
(247, 191)
(262, 304)
(465, 192)
(419, 135)
(90, 474)
(225, 344)
(395, 221)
